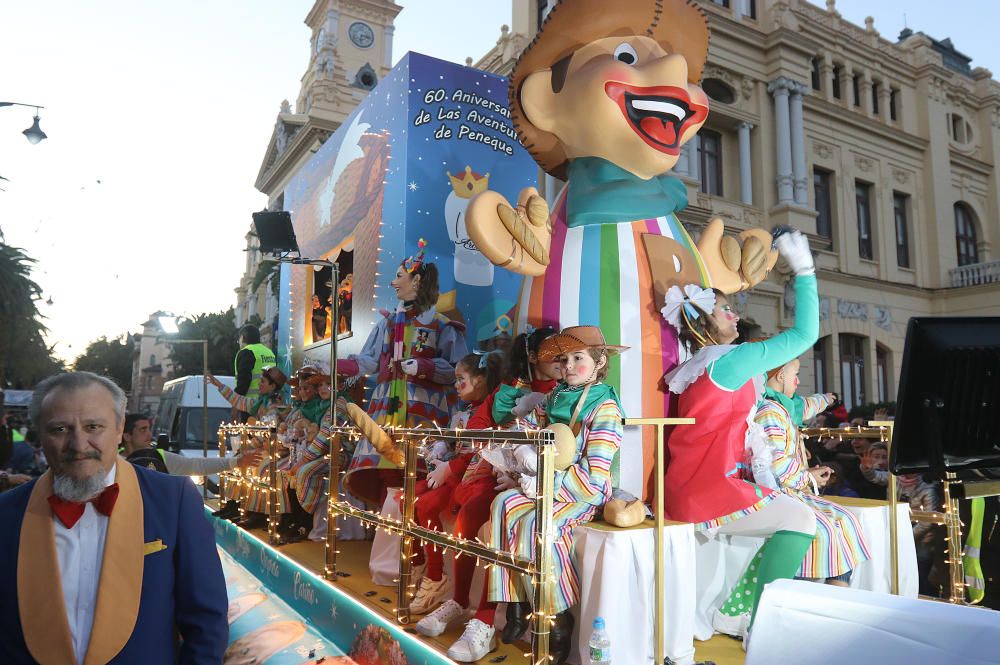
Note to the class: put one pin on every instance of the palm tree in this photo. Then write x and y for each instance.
(20, 320)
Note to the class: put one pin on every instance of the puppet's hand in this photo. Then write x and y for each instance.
(516, 238)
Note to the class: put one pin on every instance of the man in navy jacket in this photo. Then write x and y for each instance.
(100, 561)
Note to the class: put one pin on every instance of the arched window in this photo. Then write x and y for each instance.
(965, 235)
(820, 366)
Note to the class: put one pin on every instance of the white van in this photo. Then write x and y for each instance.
(180, 416)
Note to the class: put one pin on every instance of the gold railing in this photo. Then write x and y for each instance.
(540, 570)
(881, 430)
(243, 437)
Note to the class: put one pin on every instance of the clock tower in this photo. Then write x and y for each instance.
(350, 52)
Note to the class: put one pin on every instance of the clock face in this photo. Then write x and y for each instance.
(361, 34)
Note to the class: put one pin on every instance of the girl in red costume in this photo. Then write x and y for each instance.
(476, 376)
(530, 378)
(719, 386)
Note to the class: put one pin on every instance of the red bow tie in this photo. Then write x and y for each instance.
(70, 512)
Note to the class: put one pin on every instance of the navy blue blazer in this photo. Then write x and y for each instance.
(183, 590)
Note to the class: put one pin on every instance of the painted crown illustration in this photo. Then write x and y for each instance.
(470, 183)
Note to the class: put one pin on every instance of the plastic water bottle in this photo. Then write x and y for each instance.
(600, 645)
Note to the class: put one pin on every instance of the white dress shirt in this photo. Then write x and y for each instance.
(80, 552)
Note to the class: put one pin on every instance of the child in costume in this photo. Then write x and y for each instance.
(480, 485)
(269, 408)
(413, 354)
(840, 543)
(476, 376)
(719, 386)
(592, 410)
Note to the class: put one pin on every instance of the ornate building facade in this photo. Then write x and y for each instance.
(350, 50)
(151, 367)
(883, 151)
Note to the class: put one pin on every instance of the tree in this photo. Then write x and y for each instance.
(24, 357)
(219, 329)
(111, 358)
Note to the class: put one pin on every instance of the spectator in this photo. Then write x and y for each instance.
(164, 576)
(836, 484)
(137, 438)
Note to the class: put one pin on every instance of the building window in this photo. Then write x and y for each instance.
(542, 11)
(893, 94)
(721, 3)
(882, 372)
(836, 82)
(900, 203)
(752, 8)
(852, 370)
(965, 236)
(823, 191)
(820, 365)
(856, 88)
(816, 79)
(710, 157)
(875, 98)
(862, 196)
(152, 360)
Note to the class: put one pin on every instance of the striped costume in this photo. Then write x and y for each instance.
(311, 470)
(580, 491)
(267, 408)
(840, 543)
(436, 343)
(601, 275)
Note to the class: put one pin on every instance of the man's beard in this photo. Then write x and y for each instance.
(79, 489)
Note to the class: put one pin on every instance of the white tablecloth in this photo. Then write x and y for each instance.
(617, 579)
(722, 559)
(816, 624)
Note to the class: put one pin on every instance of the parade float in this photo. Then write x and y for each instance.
(443, 159)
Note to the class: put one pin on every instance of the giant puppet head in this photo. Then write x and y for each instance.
(619, 83)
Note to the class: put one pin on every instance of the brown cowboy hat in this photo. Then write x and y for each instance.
(318, 379)
(275, 376)
(680, 26)
(303, 374)
(575, 338)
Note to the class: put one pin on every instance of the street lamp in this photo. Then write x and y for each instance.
(168, 326)
(34, 134)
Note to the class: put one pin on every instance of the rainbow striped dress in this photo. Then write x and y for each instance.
(840, 545)
(580, 491)
(601, 275)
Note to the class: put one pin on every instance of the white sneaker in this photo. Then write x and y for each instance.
(437, 621)
(733, 626)
(430, 594)
(477, 641)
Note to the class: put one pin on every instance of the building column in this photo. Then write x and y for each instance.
(884, 91)
(387, 56)
(866, 94)
(799, 145)
(746, 172)
(826, 71)
(847, 86)
(779, 88)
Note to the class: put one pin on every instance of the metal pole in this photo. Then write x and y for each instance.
(272, 490)
(223, 481)
(892, 498)
(204, 418)
(956, 569)
(333, 459)
(659, 537)
(542, 616)
(403, 587)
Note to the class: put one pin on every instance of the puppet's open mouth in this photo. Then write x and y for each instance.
(660, 114)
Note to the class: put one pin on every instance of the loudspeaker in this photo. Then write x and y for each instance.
(275, 232)
(817, 624)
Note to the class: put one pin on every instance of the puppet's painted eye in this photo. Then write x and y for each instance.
(625, 53)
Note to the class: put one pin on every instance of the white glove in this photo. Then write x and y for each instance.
(409, 367)
(794, 246)
(527, 459)
(529, 486)
(527, 403)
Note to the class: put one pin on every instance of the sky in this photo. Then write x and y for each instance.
(158, 115)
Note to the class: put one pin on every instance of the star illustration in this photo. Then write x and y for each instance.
(413, 186)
